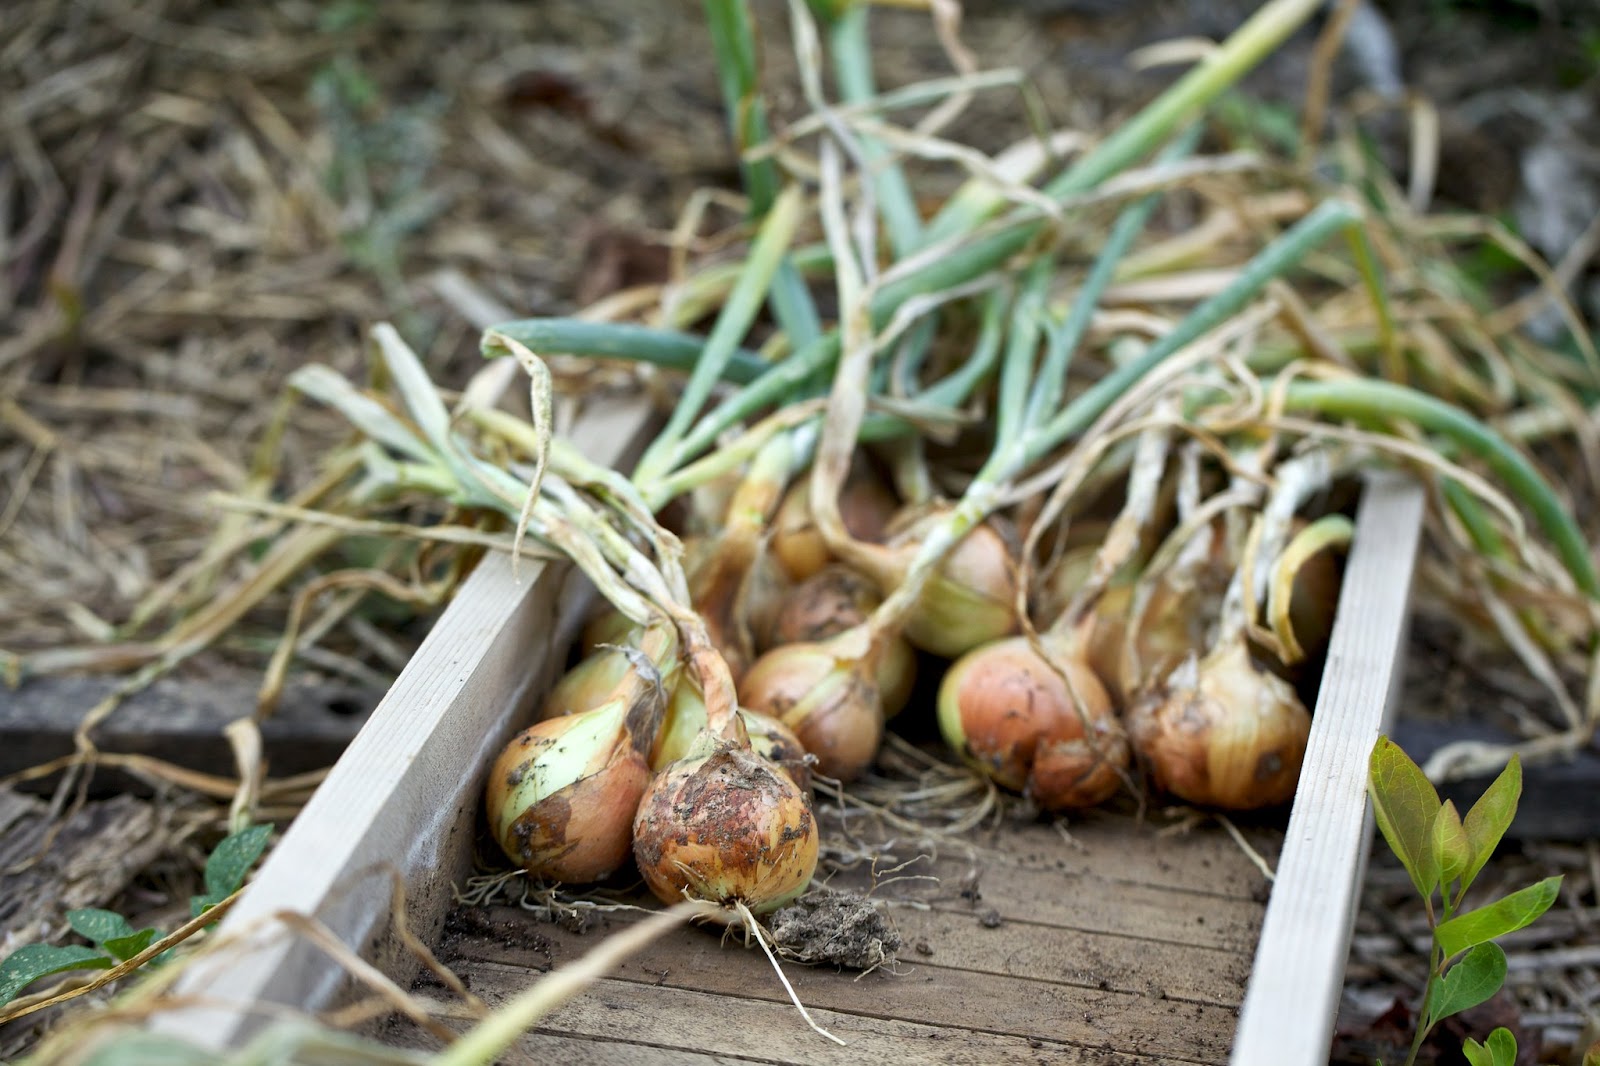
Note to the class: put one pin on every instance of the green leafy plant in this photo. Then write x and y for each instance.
(114, 938)
(1443, 853)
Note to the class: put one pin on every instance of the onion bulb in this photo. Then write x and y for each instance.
(607, 626)
(835, 599)
(562, 795)
(970, 599)
(865, 504)
(826, 696)
(1010, 715)
(725, 825)
(594, 681)
(1223, 733)
(769, 738)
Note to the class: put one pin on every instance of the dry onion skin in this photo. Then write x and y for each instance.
(1013, 717)
(1223, 733)
(828, 699)
(968, 600)
(562, 794)
(832, 601)
(726, 825)
(866, 505)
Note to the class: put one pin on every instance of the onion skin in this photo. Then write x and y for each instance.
(562, 795)
(969, 600)
(1010, 715)
(726, 825)
(832, 601)
(1224, 734)
(865, 504)
(827, 700)
(590, 684)
(607, 626)
(769, 738)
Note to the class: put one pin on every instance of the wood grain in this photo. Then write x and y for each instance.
(1288, 1014)
(402, 798)
(664, 1022)
(923, 993)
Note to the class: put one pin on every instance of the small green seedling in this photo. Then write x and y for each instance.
(1444, 853)
(114, 939)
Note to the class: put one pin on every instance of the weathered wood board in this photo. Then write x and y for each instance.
(1124, 944)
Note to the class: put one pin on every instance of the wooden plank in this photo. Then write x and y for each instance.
(403, 796)
(922, 993)
(1203, 862)
(180, 721)
(1289, 1010)
(664, 1021)
(1073, 901)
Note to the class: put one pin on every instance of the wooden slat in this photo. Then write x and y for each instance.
(1056, 899)
(1289, 1010)
(663, 1021)
(923, 993)
(402, 798)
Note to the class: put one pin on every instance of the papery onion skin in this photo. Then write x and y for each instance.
(608, 626)
(579, 831)
(769, 738)
(866, 507)
(727, 826)
(1224, 734)
(1009, 714)
(833, 600)
(829, 702)
(591, 683)
(969, 600)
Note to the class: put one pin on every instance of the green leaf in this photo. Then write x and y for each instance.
(27, 964)
(1468, 983)
(1502, 1047)
(1499, 1050)
(1452, 852)
(150, 1049)
(126, 947)
(1404, 804)
(97, 925)
(230, 861)
(1491, 816)
(1498, 918)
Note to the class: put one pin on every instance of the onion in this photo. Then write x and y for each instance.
(1223, 733)
(1010, 715)
(969, 600)
(828, 697)
(686, 719)
(562, 794)
(1059, 584)
(592, 682)
(607, 626)
(833, 600)
(725, 825)
(865, 504)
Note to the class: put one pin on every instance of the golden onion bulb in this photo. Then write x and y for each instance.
(562, 794)
(829, 701)
(726, 825)
(1010, 715)
(1223, 733)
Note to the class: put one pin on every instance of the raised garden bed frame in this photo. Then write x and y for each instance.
(399, 808)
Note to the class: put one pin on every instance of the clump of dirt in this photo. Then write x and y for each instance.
(829, 926)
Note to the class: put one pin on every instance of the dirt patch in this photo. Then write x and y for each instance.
(838, 928)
